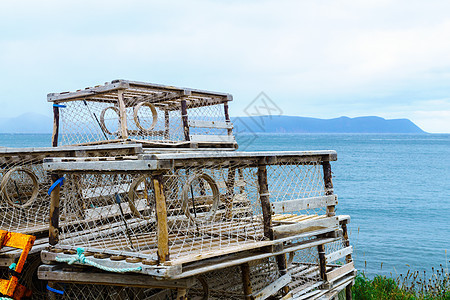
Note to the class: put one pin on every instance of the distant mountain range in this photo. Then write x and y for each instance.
(292, 124)
(37, 123)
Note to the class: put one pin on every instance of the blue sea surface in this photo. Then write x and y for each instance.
(395, 187)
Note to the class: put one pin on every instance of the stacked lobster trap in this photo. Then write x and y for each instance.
(25, 208)
(143, 196)
(154, 115)
(172, 216)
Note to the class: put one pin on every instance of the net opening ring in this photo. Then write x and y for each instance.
(102, 119)
(132, 195)
(185, 198)
(35, 183)
(136, 117)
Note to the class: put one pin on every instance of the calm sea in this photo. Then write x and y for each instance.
(396, 188)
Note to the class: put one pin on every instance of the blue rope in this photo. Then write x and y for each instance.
(60, 181)
(81, 259)
(13, 266)
(54, 290)
(59, 105)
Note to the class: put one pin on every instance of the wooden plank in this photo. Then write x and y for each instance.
(273, 288)
(265, 201)
(304, 203)
(56, 273)
(338, 254)
(304, 226)
(55, 133)
(212, 138)
(64, 150)
(60, 97)
(122, 115)
(184, 118)
(347, 268)
(282, 267)
(160, 271)
(161, 217)
(161, 87)
(210, 124)
(327, 178)
(320, 154)
(227, 117)
(54, 212)
(246, 281)
(218, 263)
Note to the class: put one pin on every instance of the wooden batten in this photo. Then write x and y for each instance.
(265, 201)
(55, 133)
(54, 212)
(166, 125)
(322, 261)
(327, 177)
(184, 118)
(122, 115)
(246, 282)
(212, 138)
(210, 124)
(339, 254)
(161, 218)
(57, 273)
(304, 203)
(227, 118)
(339, 272)
(273, 288)
(283, 231)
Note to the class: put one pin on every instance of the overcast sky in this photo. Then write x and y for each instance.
(313, 58)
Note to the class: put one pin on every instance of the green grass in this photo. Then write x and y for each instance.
(413, 285)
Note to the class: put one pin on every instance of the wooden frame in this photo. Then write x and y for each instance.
(124, 94)
(276, 233)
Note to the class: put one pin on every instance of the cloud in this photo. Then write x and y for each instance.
(315, 58)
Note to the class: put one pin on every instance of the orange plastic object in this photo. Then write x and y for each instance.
(11, 287)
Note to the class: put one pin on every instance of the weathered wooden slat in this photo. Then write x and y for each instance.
(56, 97)
(153, 270)
(293, 229)
(338, 254)
(133, 149)
(196, 158)
(246, 281)
(56, 273)
(161, 217)
(210, 124)
(211, 138)
(347, 268)
(305, 203)
(272, 288)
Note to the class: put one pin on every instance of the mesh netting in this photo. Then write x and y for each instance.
(211, 210)
(23, 200)
(295, 180)
(96, 121)
(107, 292)
(228, 283)
(304, 267)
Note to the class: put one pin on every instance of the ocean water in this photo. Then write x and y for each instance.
(395, 187)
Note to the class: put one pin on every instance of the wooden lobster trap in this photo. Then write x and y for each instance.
(24, 186)
(257, 280)
(322, 272)
(169, 213)
(155, 115)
